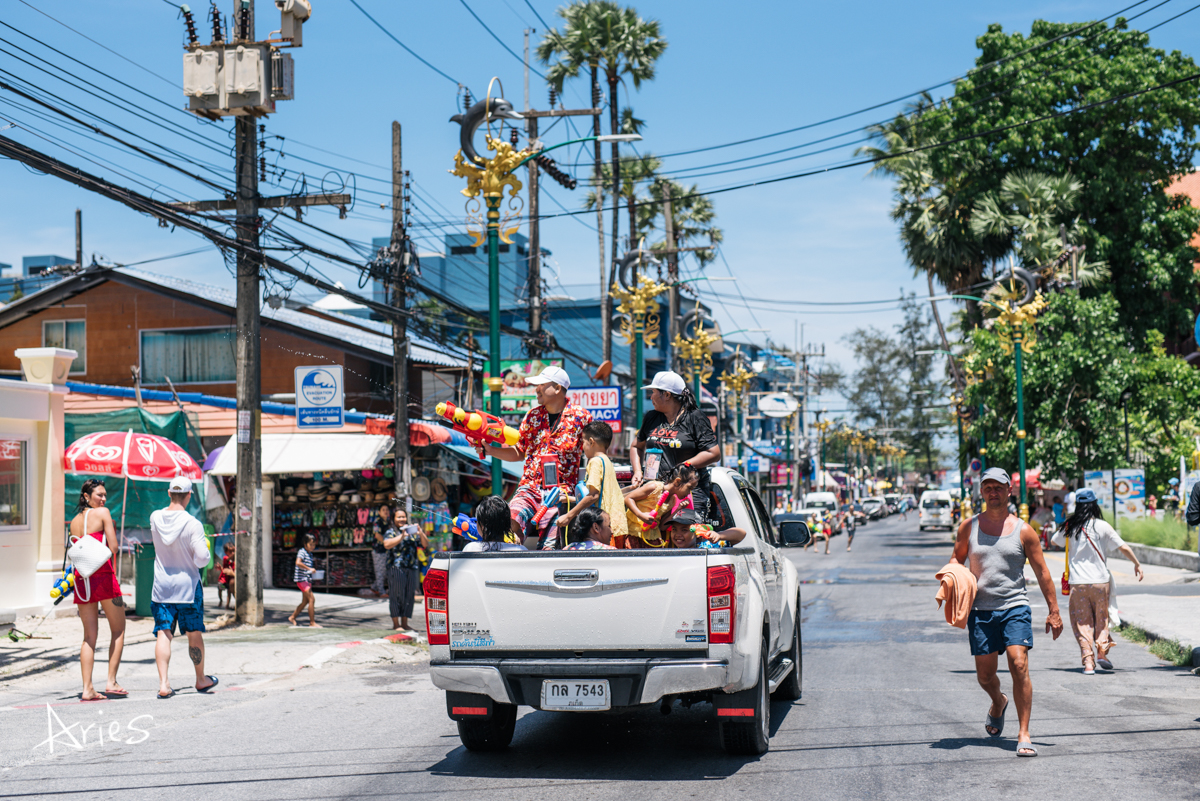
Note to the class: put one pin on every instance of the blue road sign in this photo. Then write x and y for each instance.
(320, 397)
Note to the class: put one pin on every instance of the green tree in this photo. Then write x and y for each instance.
(1123, 154)
(935, 224)
(1074, 379)
(1032, 214)
(636, 175)
(601, 35)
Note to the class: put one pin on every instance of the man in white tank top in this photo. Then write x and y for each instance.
(994, 547)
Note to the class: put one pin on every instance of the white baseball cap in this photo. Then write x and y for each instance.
(996, 474)
(551, 375)
(667, 381)
(180, 484)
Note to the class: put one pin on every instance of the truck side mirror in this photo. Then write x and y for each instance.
(794, 533)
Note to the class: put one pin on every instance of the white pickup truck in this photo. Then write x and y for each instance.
(591, 631)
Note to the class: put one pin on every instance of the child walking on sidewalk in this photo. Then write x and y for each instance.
(304, 576)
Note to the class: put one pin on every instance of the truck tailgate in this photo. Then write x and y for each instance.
(595, 601)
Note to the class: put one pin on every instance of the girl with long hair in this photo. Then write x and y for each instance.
(1088, 540)
(101, 589)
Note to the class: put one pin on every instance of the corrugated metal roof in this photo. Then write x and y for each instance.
(306, 322)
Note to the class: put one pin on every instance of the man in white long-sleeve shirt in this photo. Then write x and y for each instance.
(180, 550)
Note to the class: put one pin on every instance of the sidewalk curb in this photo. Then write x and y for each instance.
(1159, 634)
(1165, 557)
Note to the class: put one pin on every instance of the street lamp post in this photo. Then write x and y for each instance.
(639, 305)
(1015, 328)
(489, 178)
(737, 382)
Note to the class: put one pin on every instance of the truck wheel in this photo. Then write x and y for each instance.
(493, 734)
(793, 685)
(753, 737)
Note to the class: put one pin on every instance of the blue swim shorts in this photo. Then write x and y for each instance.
(993, 632)
(188, 617)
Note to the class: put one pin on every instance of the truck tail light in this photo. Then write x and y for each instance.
(721, 604)
(437, 607)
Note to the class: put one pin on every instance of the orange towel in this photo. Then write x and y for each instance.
(958, 591)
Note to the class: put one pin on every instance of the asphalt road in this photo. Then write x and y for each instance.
(890, 710)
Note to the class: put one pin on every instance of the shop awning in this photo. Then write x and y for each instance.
(308, 453)
(510, 469)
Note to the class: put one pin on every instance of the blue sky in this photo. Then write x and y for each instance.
(730, 72)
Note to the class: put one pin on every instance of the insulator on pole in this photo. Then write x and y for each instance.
(190, 21)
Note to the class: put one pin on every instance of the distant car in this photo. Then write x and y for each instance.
(893, 502)
(937, 510)
(876, 508)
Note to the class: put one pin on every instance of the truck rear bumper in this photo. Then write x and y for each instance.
(632, 681)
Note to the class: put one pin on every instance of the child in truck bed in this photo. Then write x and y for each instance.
(647, 505)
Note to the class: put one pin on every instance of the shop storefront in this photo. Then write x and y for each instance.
(342, 488)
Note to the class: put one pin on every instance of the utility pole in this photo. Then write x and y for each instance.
(249, 362)
(264, 75)
(606, 279)
(78, 239)
(535, 238)
(672, 277)
(400, 262)
(801, 433)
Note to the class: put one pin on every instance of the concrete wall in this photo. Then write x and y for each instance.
(31, 555)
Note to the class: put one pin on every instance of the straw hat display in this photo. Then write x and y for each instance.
(420, 489)
(438, 489)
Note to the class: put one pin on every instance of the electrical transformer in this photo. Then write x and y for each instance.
(227, 80)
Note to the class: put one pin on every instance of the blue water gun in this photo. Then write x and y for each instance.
(64, 585)
(466, 527)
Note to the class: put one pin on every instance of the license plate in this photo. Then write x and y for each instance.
(576, 695)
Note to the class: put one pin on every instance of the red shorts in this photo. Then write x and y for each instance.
(303, 586)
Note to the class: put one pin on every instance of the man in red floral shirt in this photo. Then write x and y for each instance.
(551, 427)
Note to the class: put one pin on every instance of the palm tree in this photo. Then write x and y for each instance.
(600, 34)
(637, 173)
(1031, 214)
(693, 215)
(934, 219)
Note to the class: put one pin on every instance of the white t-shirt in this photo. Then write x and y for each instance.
(1086, 565)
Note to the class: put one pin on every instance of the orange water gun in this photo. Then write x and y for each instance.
(478, 427)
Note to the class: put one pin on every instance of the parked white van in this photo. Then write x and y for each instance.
(937, 510)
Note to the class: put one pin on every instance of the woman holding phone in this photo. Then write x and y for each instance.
(404, 571)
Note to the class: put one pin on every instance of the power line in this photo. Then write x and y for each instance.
(95, 70)
(545, 25)
(497, 38)
(919, 149)
(391, 36)
(93, 41)
(922, 120)
(893, 101)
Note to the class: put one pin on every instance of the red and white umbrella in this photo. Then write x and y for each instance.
(125, 454)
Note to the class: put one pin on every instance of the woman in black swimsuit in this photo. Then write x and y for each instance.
(677, 427)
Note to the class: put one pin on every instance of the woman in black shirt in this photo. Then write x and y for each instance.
(677, 428)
